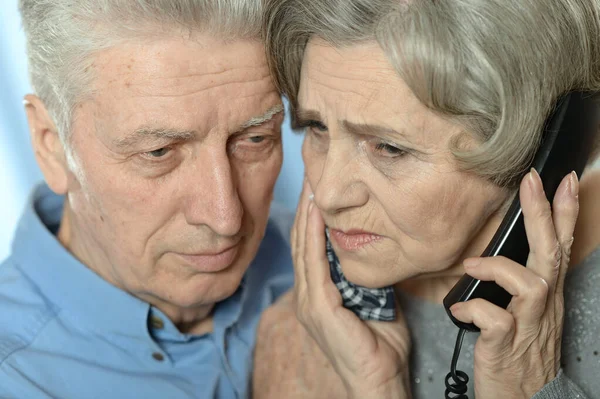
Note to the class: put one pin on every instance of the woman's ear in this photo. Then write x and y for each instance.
(47, 146)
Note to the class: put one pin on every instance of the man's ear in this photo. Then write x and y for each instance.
(48, 149)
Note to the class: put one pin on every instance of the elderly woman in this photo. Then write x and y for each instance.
(421, 118)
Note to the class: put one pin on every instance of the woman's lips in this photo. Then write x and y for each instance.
(353, 240)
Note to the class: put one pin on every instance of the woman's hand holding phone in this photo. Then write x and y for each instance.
(371, 357)
(519, 348)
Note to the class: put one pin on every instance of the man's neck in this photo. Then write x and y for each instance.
(196, 321)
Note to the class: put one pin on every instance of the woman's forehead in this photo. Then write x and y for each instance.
(357, 84)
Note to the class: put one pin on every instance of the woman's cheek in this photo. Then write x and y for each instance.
(313, 164)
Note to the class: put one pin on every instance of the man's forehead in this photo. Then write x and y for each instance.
(175, 87)
(170, 59)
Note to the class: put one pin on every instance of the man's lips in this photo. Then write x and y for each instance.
(353, 239)
(211, 262)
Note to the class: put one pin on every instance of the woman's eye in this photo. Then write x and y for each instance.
(159, 153)
(317, 130)
(389, 150)
(316, 126)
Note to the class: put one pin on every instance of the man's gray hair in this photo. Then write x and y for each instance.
(63, 35)
(495, 66)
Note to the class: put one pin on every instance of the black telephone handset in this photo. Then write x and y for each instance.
(566, 144)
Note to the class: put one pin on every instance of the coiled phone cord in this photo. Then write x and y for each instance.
(456, 380)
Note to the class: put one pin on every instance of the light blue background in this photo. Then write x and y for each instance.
(18, 169)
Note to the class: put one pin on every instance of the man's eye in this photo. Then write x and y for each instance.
(257, 139)
(161, 152)
(389, 150)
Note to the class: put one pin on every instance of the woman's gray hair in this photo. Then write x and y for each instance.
(495, 66)
(63, 35)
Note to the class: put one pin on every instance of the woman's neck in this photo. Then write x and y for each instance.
(433, 287)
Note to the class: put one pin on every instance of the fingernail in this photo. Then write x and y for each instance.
(471, 263)
(455, 307)
(26, 102)
(535, 182)
(574, 186)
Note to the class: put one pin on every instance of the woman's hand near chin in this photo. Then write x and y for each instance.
(519, 348)
(370, 357)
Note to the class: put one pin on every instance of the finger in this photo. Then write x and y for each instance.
(544, 250)
(300, 215)
(496, 324)
(299, 240)
(294, 234)
(327, 317)
(565, 209)
(316, 264)
(529, 290)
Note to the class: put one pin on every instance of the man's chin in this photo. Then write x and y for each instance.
(206, 289)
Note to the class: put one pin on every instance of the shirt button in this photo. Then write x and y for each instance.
(157, 323)
(158, 356)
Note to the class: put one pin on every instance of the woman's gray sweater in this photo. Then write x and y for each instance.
(433, 337)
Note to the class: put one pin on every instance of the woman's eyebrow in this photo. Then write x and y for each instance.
(359, 129)
(302, 116)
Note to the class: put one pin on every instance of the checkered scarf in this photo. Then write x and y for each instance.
(366, 303)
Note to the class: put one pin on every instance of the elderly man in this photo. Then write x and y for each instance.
(141, 267)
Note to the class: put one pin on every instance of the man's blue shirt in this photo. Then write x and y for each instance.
(67, 333)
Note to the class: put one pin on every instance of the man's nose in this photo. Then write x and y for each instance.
(339, 186)
(214, 201)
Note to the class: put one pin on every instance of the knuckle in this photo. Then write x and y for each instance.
(566, 246)
(301, 316)
(505, 324)
(557, 255)
(302, 310)
(539, 289)
(554, 256)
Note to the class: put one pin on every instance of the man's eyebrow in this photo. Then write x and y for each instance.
(259, 120)
(359, 129)
(164, 134)
(149, 133)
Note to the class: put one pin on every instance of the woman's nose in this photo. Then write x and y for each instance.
(340, 185)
